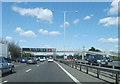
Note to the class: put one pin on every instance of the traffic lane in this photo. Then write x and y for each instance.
(21, 66)
(46, 72)
(20, 69)
(17, 67)
(51, 73)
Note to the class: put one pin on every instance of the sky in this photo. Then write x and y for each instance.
(41, 24)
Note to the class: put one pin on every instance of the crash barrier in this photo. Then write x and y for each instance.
(98, 68)
(102, 65)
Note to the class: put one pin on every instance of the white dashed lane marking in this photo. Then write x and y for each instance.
(28, 70)
(5, 81)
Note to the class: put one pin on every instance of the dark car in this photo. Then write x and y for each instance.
(87, 57)
(109, 59)
(23, 60)
(31, 60)
(97, 58)
(6, 65)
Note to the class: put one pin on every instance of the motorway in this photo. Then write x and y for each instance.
(48, 72)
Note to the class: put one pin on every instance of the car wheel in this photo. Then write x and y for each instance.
(12, 70)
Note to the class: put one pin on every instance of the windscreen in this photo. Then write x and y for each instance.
(99, 57)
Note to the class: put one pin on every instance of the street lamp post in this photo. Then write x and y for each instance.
(65, 27)
(64, 31)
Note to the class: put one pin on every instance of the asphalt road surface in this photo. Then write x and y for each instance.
(47, 72)
(41, 72)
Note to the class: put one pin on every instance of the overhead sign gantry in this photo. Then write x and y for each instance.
(38, 49)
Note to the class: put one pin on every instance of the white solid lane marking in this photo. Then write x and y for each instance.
(72, 77)
(5, 81)
(28, 70)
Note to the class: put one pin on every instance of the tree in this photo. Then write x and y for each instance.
(97, 50)
(94, 50)
(15, 50)
(27, 55)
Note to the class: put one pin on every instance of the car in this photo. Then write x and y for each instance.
(87, 57)
(97, 58)
(41, 59)
(44, 58)
(109, 59)
(68, 59)
(31, 60)
(105, 59)
(23, 60)
(50, 60)
(6, 65)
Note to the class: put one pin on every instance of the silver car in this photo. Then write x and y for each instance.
(6, 65)
(31, 60)
(50, 60)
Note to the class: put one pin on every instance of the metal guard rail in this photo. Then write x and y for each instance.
(98, 68)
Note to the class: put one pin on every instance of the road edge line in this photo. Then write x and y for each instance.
(70, 75)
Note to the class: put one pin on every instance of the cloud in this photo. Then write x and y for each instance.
(28, 33)
(113, 10)
(19, 30)
(109, 21)
(67, 24)
(114, 7)
(51, 33)
(108, 40)
(88, 17)
(76, 21)
(39, 13)
(9, 38)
